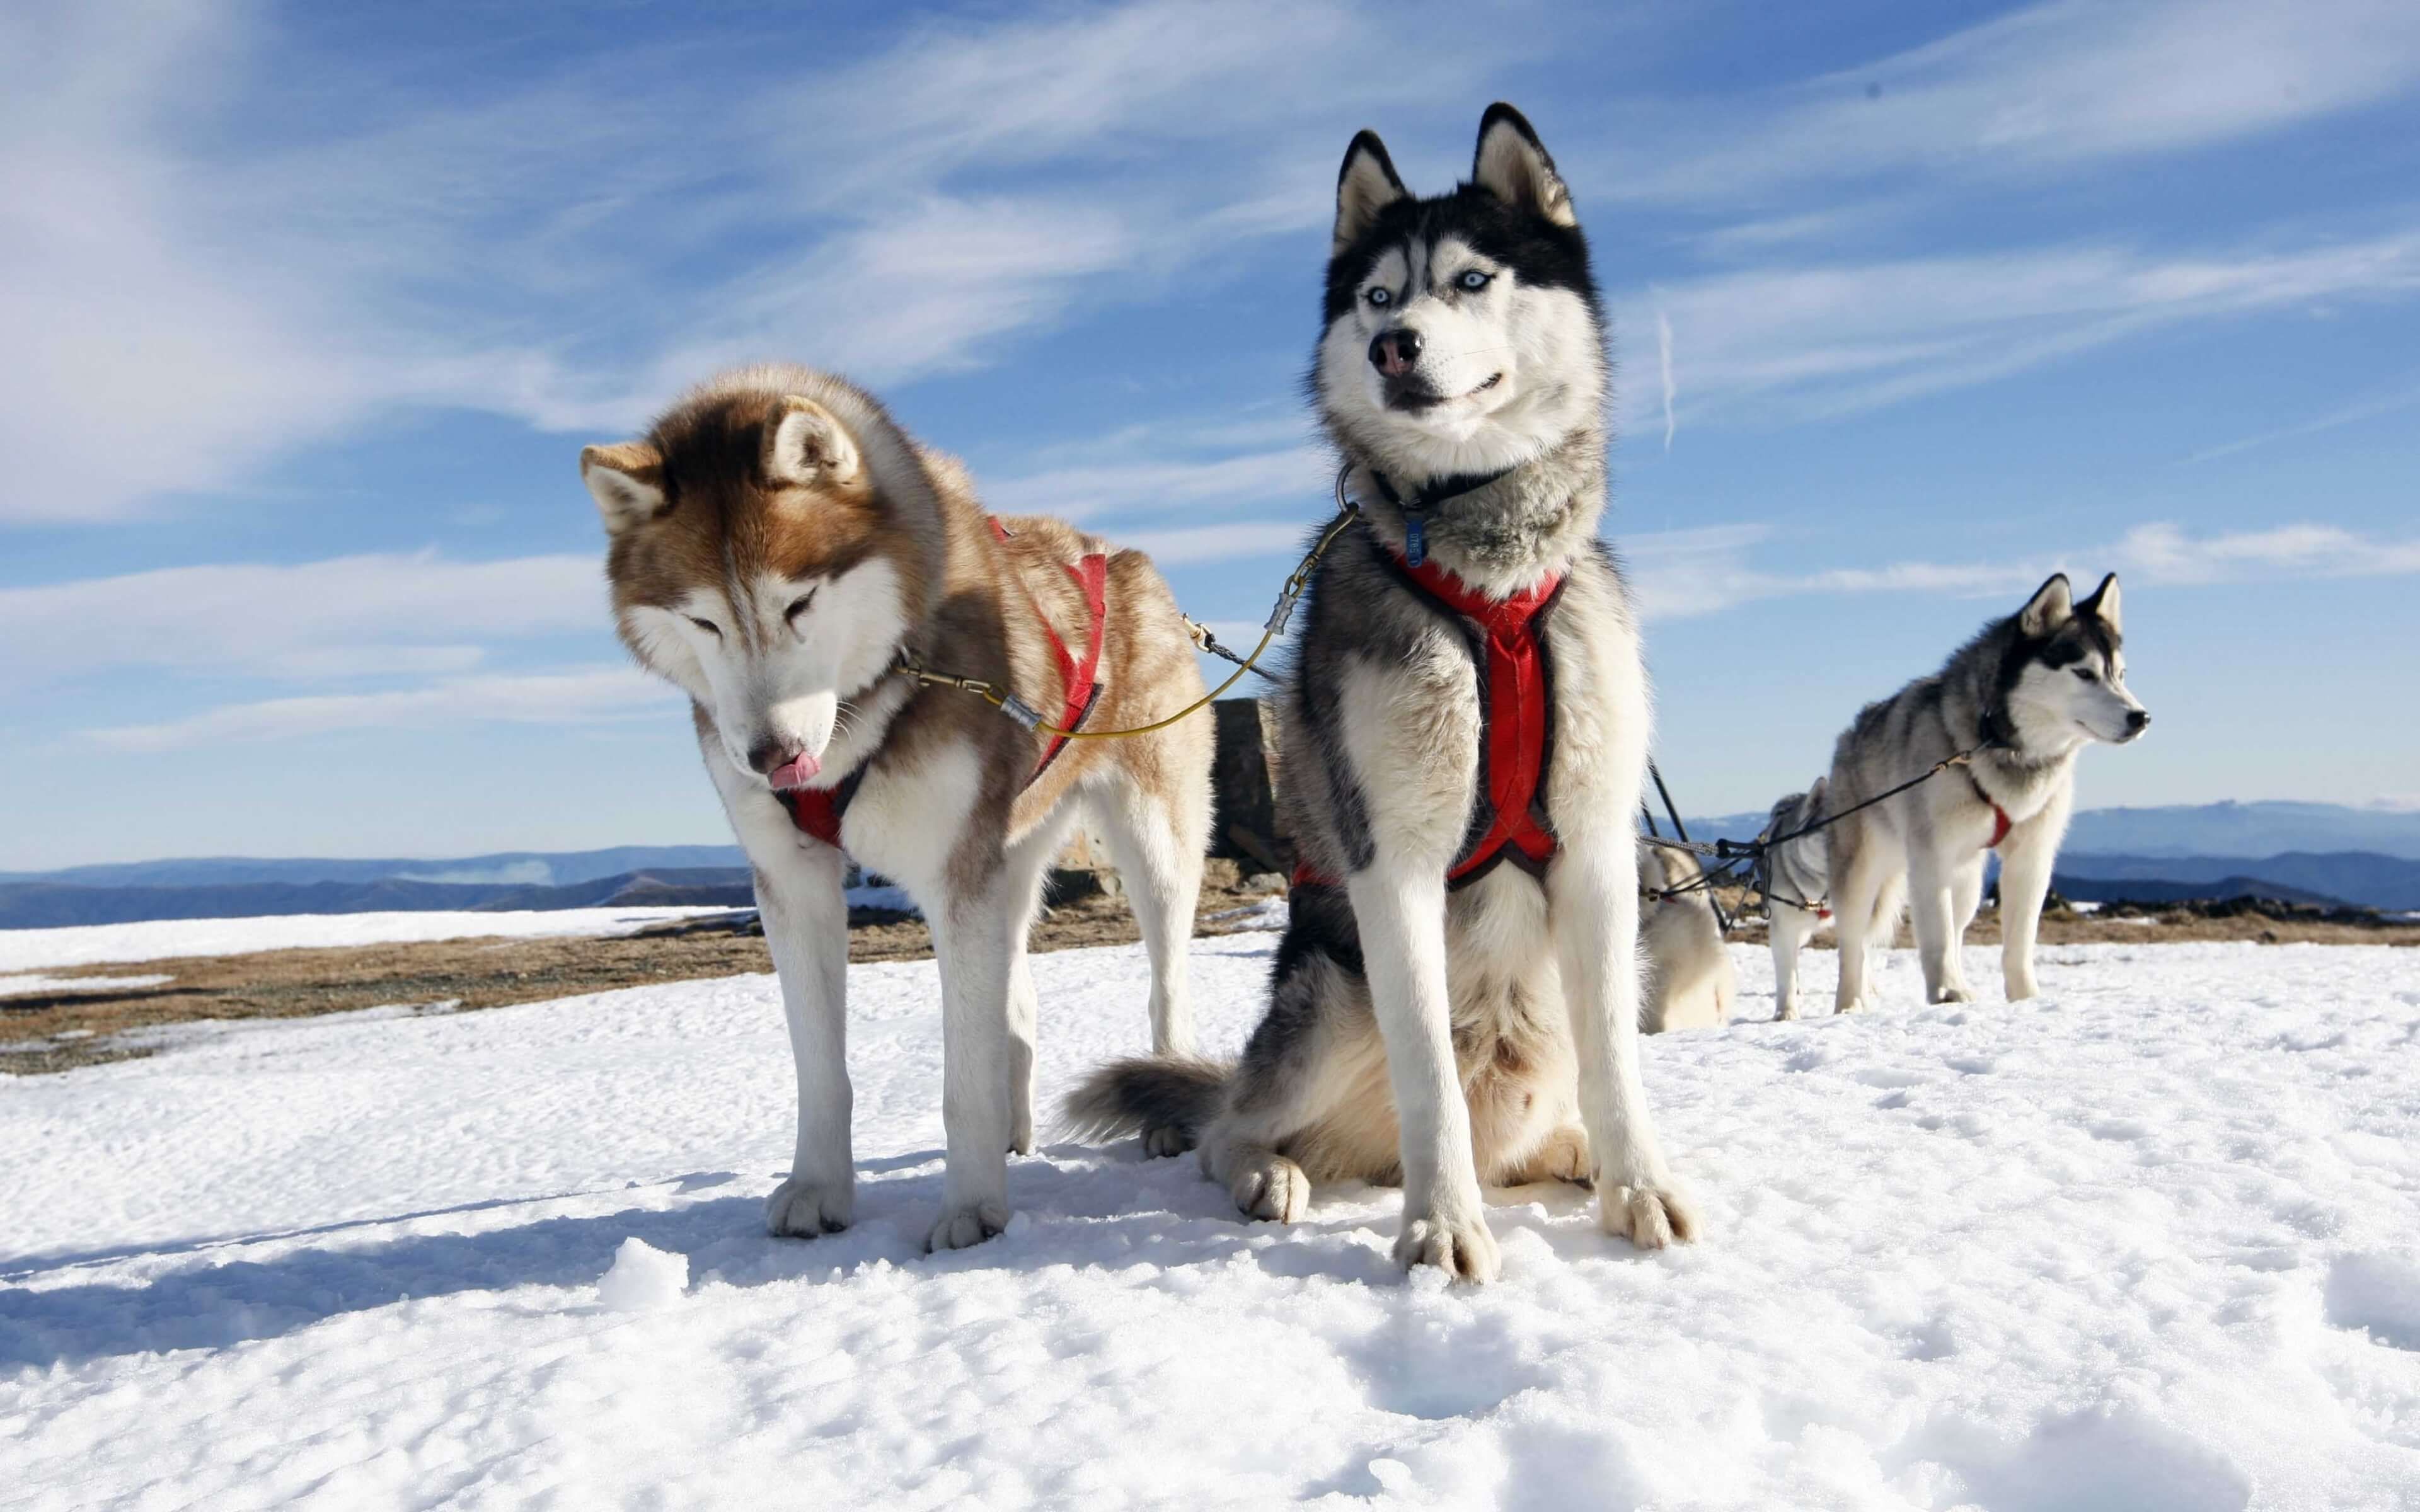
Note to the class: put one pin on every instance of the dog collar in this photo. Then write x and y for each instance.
(1435, 492)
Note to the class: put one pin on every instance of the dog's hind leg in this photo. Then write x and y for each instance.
(1787, 934)
(1028, 868)
(1858, 889)
(1157, 839)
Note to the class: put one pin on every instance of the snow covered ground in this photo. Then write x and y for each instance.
(84, 945)
(2151, 1242)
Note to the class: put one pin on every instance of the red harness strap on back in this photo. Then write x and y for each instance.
(818, 811)
(1516, 730)
(1079, 678)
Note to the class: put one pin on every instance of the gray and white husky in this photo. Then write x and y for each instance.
(1795, 878)
(1462, 740)
(2025, 695)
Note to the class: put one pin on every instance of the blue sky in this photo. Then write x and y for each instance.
(309, 310)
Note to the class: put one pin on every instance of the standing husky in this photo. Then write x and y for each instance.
(2025, 696)
(1795, 878)
(779, 549)
(1463, 737)
(1690, 982)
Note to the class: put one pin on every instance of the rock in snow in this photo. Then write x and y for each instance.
(2146, 1242)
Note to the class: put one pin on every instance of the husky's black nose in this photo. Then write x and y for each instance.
(1395, 353)
(2137, 722)
(768, 754)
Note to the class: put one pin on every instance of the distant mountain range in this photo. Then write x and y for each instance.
(2295, 852)
(2300, 852)
(52, 904)
(524, 869)
(2242, 829)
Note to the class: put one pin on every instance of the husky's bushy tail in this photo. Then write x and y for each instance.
(1147, 1092)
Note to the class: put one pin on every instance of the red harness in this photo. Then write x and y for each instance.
(1516, 735)
(2000, 825)
(818, 811)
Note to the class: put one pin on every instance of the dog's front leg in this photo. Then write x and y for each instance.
(2028, 856)
(1592, 898)
(1400, 911)
(973, 942)
(805, 912)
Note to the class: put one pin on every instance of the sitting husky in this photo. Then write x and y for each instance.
(1795, 878)
(2025, 696)
(781, 551)
(1690, 982)
(1463, 737)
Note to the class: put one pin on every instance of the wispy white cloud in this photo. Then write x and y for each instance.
(1825, 341)
(2370, 408)
(1664, 370)
(343, 617)
(187, 301)
(1682, 573)
(1088, 491)
(1228, 542)
(2049, 87)
(581, 695)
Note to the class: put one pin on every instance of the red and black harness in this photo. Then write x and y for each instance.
(818, 811)
(1516, 738)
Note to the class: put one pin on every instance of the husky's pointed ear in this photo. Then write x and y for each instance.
(2102, 606)
(808, 445)
(2051, 607)
(1512, 165)
(1364, 186)
(628, 482)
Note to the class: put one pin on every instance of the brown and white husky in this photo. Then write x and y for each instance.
(780, 549)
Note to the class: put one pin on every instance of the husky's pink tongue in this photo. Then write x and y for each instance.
(795, 772)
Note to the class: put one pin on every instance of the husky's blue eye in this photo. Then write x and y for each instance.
(1379, 296)
(1473, 280)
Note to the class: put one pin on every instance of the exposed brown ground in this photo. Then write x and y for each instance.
(470, 974)
(494, 973)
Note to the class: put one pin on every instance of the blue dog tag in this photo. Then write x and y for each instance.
(1416, 546)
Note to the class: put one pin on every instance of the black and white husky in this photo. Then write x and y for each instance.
(1456, 999)
(2025, 695)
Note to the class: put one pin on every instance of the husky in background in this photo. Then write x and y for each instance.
(2025, 695)
(1463, 735)
(1795, 878)
(1690, 982)
(778, 547)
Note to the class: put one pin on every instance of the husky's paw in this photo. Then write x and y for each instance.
(1020, 1139)
(964, 1228)
(1854, 1005)
(800, 1208)
(1271, 1187)
(1563, 1157)
(1164, 1140)
(1461, 1248)
(1953, 992)
(1650, 1217)
(2020, 986)
(1785, 1011)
